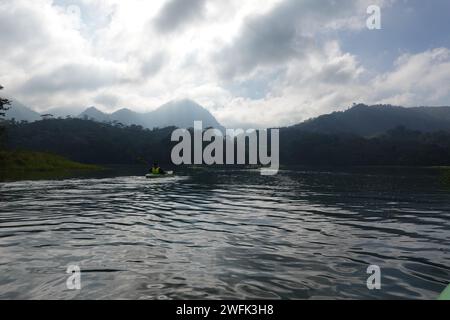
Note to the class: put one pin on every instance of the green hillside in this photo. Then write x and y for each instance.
(18, 165)
(370, 121)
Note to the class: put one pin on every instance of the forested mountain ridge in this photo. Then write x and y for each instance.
(101, 143)
(361, 119)
(370, 121)
(89, 141)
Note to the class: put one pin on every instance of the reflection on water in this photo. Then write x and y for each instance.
(227, 234)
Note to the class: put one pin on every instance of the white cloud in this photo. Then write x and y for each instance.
(254, 63)
(417, 79)
(334, 81)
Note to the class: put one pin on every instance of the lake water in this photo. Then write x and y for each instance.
(215, 234)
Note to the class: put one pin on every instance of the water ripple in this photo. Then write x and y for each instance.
(226, 234)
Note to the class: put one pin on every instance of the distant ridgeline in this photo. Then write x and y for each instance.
(180, 113)
(362, 135)
(371, 121)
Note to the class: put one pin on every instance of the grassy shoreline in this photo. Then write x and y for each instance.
(446, 176)
(27, 165)
(19, 165)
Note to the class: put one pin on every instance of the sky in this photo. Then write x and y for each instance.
(251, 63)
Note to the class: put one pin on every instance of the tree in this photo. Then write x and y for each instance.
(4, 106)
(4, 103)
(47, 116)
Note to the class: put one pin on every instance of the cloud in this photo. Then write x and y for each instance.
(18, 24)
(71, 77)
(34, 31)
(107, 100)
(152, 65)
(287, 32)
(337, 81)
(252, 63)
(417, 78)
(322, 81)
(177, 13)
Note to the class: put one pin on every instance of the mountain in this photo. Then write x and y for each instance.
(374, 120)
(362, 120)
(20, 112)
(91, 141)
(93, 113)
(180, 113)
(441, 113)
(129, 117)
(63, 112)
(100, 143)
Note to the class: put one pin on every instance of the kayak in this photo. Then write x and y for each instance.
(156, 176)
(445, 295)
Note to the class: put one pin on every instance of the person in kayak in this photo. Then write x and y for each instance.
(156, 169)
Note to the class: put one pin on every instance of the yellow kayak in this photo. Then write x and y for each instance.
(156, 176)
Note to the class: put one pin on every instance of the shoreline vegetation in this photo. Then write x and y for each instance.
(446, 176)
(22, 165)
(27, 165)
(58, 148)
(87, 141)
